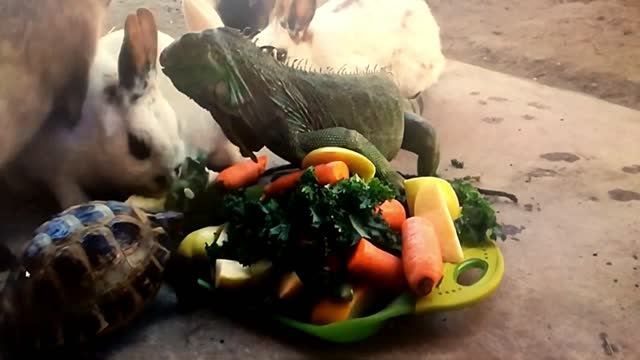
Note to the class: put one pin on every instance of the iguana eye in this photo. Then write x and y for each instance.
(281, 54)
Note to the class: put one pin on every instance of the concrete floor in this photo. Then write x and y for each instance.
(572, 268)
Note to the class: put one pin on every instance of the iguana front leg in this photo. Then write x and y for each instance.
(352, 140)
(421, 139)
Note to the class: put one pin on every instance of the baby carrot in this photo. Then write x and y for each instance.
(331, 172)
(283, 183)
(377, 267)
(393, 212)
(421, 255)
(243, 174)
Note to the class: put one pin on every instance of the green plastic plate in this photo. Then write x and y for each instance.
(450, 294)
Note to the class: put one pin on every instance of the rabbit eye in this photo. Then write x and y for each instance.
(138, 148)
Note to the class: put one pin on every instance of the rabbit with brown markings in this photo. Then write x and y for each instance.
(128, 138)
(46, 49)
(200, 133)
(402, 35)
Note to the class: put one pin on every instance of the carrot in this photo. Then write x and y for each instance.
(329, 173)
(421, 255)
(282, 184)
(377, 267)
(329, 310)
(242, 174)
(393, 212)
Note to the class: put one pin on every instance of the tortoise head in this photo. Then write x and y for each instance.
(173, 224)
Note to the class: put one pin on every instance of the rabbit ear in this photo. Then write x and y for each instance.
(299, 15)
(200, 15)
(139, 48)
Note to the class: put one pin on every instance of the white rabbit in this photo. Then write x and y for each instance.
(47, 47)
(201, 134)
(128, 139)
(340, 34)
(402, 35)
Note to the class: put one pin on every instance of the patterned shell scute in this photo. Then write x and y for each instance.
(114, 216)
(88, 270)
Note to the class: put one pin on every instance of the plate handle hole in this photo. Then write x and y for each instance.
(470, 271)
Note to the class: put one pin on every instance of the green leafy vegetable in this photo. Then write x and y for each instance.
(478, 219)
(190, 194)
(300, 229)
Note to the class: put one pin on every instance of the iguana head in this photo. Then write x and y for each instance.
(224, 72)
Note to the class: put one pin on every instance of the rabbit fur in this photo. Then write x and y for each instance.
(123, 114)
(416, 65)
(240, 14)
(46, 49)
(153, 115)
(200, 133)
(401, 35)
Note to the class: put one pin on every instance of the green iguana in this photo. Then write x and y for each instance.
(259, 101)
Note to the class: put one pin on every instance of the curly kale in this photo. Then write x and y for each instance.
(478, 219)
(190, 194)
(301, 229)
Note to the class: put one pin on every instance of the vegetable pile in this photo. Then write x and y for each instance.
(329, 241)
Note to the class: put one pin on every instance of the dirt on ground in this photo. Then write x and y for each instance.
(583, 45)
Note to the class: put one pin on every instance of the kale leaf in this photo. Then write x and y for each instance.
(478, 219)
(190, 194)
(302, 228)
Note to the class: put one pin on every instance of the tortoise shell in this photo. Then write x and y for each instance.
(86, 272)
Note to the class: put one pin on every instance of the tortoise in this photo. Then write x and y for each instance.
(87, 271)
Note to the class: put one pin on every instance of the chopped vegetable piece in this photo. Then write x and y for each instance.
(331, 173)
(330, 310)
(242, 174)
(194, 245)
(377, 267)
(149, 204)
(431, 205)
(357, 163)
(325, 174)
(393, 213)
(283, 184)
(421, 255)
(230, 274)
(412, 186)
(290, 286)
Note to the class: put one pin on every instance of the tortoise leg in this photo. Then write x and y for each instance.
(421, 139)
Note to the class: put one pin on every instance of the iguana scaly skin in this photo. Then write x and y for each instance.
(259, 101)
